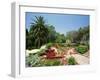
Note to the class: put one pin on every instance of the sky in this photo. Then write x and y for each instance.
(62, 22)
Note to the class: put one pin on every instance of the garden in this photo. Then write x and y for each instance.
(47, 47)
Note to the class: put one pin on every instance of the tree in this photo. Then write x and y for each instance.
(85, 38)
(40, 31)
(52, 34)
(29, 40)
(79, 36)
(27, 45)
(60, 38)
(72, 36)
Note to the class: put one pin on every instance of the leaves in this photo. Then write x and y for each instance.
(78, 36)
(82, 49)
(32, 60)
(72, 61)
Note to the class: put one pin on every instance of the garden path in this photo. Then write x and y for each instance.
(80, 59)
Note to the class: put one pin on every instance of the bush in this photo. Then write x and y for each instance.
(32, 60)
(52, 44)
(51, 63)
(82, 49)
(62, 44)
(56, 63)
(72, 61)
(49, 45)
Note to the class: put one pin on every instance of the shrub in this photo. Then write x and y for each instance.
(49, 45)
(51, 63)
(62, 44)
(32, 60)
(82, 49)
(56, 63)
(72, 61)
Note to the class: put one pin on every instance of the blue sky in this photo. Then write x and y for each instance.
(62, 22)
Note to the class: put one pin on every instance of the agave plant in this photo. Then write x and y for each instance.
(32, 60)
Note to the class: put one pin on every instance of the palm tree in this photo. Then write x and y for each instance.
(40, 31)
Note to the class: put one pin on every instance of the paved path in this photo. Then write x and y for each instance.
(80, 59)
(87, 54)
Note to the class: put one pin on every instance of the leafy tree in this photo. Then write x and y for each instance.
(52, 34)
(60, 38)
(79, 36)
(72, 36)
(29, 40)
(40, 31)
(26, 32)
(84, 39)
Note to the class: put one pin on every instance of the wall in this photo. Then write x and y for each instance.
(5, 40)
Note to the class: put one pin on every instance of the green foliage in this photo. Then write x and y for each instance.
(55, 63)
(52, 33)
(51, 62)
(29, 40)
(35, 61)
(72, 36)
(49, 45)
(41, 33)
(79, 36)
(32, 60)
(60, 38)
(82, 49)
(41, 52)
(38, 32)
(72, 61)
